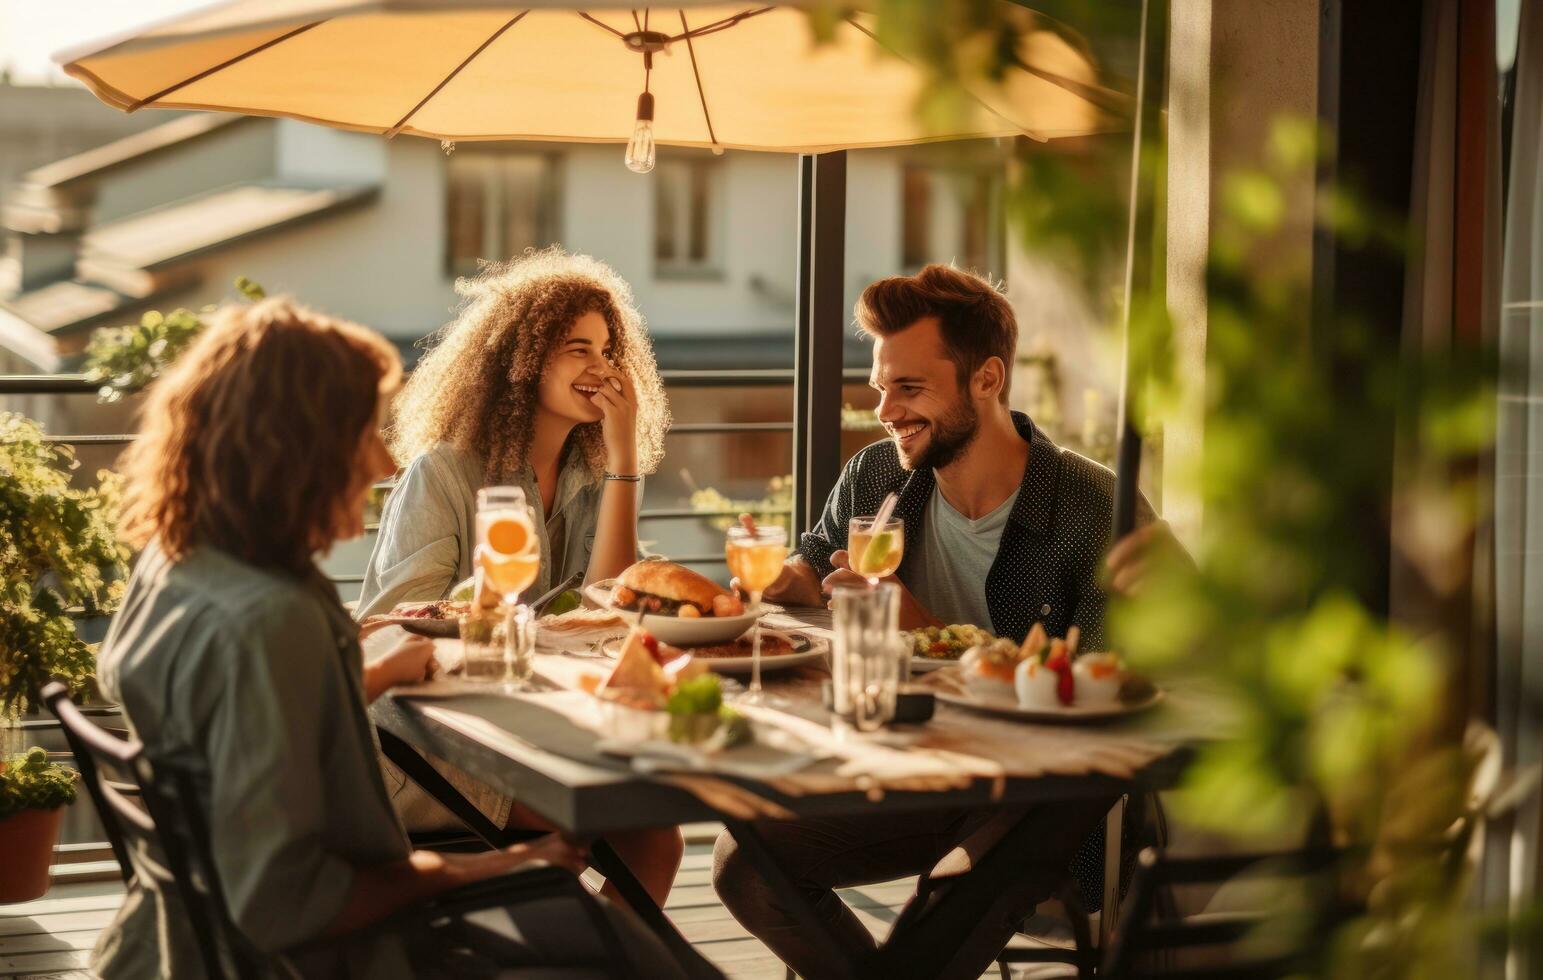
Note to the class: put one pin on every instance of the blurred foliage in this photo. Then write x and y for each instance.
(59, 553)
(775, 507)
(1335, 709)
(28, 781)
(126, 359)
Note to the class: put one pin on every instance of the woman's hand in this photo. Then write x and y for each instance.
(618, 405)
(409, 662)
(554, 849)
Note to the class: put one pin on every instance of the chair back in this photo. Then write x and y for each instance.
(1149, 943)
(157, 832)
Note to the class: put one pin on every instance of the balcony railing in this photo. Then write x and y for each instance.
(79, 384)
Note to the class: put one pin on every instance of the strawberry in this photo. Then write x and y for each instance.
(651, 644)
(1065, 686)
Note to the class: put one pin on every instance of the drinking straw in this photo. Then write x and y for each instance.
(885, 509)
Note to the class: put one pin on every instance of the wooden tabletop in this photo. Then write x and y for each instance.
(540, 748)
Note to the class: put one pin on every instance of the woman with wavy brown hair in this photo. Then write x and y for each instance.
(545, 380)
(236, 664)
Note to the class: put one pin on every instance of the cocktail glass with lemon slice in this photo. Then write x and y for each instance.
(755, 554)
(508, 556)
(875, 549)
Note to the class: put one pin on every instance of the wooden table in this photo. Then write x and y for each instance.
(523, 747)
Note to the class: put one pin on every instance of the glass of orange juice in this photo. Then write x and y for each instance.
(755, 557)
(875, 551)
(508, 557)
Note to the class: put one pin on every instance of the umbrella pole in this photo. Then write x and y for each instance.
(1144, 253)
(817, 344)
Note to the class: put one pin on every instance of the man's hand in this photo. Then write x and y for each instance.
(796, 585)
(913, 615)
(1132, 558)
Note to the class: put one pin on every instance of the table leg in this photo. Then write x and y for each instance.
(609, 863)
(428, 779)
(754, 848)
(606, 861)
(1114, 826)
(929, 937)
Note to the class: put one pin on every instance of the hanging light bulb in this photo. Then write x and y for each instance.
(640, 149)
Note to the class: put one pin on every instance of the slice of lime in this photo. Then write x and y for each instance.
(877, 552)
(565, 602)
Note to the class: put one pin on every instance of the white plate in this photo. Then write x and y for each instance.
(815, 654)
(674, 630)
(1075, 714)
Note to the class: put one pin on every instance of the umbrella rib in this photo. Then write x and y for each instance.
(724, 24)
(390, 133)
(134, 107)
(600, 23)
(697, 74)
(1111, 102)
(981, 102)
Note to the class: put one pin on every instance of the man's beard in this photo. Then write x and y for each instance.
(951, 435)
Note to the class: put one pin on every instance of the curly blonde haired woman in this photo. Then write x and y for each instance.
(545, 380)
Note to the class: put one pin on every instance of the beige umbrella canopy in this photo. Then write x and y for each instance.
(736, 76)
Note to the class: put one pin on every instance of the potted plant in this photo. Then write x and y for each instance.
(33, 795)
(60, 560)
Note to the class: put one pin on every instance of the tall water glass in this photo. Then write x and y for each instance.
(865, 662)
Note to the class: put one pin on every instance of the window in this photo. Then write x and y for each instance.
(687, 210)
(499, 202)
(952, 214)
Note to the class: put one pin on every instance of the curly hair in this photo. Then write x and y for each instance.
(249, 443)
(476, 388)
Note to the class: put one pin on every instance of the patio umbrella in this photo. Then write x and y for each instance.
(736, 76)
(726, 76)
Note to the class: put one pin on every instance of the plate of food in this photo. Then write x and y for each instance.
(780, 650)
(438, 618)
(1046, 680)
(675, 604)
(680, 701)
(938, 646)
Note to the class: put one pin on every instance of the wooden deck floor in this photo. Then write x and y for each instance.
(53, 937)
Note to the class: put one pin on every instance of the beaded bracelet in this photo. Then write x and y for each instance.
(624, 477)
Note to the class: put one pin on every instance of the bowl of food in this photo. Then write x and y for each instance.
(675, 604)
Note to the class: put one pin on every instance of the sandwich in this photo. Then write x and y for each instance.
(663, 588)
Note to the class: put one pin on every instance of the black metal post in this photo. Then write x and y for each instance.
(1144, 278)
(817, 376)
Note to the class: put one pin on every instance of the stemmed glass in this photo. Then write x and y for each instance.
(755, 556)
(509, 557)
(875, 549)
